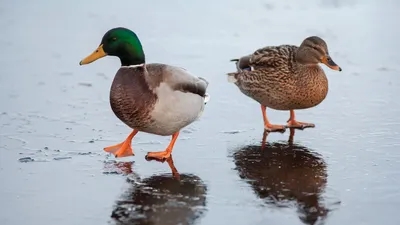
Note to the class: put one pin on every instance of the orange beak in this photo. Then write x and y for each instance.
(330, 63)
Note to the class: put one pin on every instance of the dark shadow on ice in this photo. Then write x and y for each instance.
(161, 199)
(285, 175)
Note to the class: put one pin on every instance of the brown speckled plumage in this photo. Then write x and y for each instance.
(284, 77)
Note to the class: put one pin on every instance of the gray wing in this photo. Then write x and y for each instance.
(177, 78)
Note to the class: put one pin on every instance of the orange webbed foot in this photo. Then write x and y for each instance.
(123, 149)
(161, 156)
(274, 128)
(164, 155)
(114, 148)
(268, 126)
(293, 123)
(299, 125)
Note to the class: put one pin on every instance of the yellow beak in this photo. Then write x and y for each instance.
(99, 53)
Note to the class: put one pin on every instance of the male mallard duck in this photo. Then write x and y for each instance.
(154, 98)
(285, 77)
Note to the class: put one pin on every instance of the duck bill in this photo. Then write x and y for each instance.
(97, 54)
(331, 64)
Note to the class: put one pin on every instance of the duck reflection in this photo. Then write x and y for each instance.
(161, 199)
(283, 174)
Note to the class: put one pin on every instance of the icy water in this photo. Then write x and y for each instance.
(55, 117)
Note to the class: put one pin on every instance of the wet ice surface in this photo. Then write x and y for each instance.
(161, 199)
(285, 175)
(55, 117)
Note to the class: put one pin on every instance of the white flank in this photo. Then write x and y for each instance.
(174, 110)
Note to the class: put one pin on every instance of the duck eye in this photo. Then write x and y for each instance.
(113, 39)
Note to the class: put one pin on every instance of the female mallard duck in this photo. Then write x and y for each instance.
(285, 77)
(154, 98)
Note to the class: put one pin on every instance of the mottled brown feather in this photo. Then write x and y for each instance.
(278, 81)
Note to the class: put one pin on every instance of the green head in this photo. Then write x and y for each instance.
(120, 42)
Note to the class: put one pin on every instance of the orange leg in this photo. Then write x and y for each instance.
(293, 123)
(123, 149)
(164, 154)
(268, 126)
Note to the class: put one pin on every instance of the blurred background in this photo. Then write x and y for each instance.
(55, 117)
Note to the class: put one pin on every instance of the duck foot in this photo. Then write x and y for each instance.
(268, 127)
(158, 156)
(299, 125)
(293, 123)
(164, 155)
(123, 149)
(274, 128)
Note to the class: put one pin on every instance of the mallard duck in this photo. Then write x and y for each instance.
(153, 98)
(285, 77)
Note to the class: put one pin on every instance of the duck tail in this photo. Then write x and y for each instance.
(234, 60)
(232, 77)
(206, 98)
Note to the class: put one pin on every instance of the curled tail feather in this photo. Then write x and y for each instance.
(206, 98)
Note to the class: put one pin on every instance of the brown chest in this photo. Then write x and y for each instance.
(131, 100)
(310, 91)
